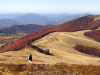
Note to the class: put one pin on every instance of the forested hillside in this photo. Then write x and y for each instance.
(95, 34)
(88, 50)
(74, 25)
(18, 29)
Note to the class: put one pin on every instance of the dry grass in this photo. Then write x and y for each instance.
(63, 48)
(61, 45)
(23, 56)
(42, 69)
(8, 55)
(1, 59)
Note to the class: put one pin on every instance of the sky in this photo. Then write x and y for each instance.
(50, 6)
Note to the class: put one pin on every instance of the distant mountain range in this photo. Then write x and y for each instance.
(10, 16)
(43, 19)
(7, 22)
(68, 18)
(34, 19)
(82, 23)
(40, 19)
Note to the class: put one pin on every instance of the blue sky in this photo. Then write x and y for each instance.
(50, 6)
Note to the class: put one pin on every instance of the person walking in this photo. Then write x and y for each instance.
(30, 58)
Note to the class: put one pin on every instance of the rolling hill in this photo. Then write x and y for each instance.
(23, 29)
(81, 23)
(61, 45)
(60, 40)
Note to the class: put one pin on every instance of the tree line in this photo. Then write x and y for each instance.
(95, 34)
(88, 50)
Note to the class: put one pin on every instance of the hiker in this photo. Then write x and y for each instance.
(30, 58)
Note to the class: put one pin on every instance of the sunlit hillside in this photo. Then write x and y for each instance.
(60, 41)
(61, 45)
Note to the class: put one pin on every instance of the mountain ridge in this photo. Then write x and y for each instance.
(5, 22)
(33, 19)
(71, 26)
(42, 19)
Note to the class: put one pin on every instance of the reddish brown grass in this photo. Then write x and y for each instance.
(56, 69)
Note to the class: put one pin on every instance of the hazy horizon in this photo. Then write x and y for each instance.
(48, 13)
(49, 6)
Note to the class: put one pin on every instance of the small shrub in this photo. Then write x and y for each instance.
(40, 50)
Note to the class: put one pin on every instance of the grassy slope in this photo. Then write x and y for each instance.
(71, 26)
(66, 54)
(61, 45)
